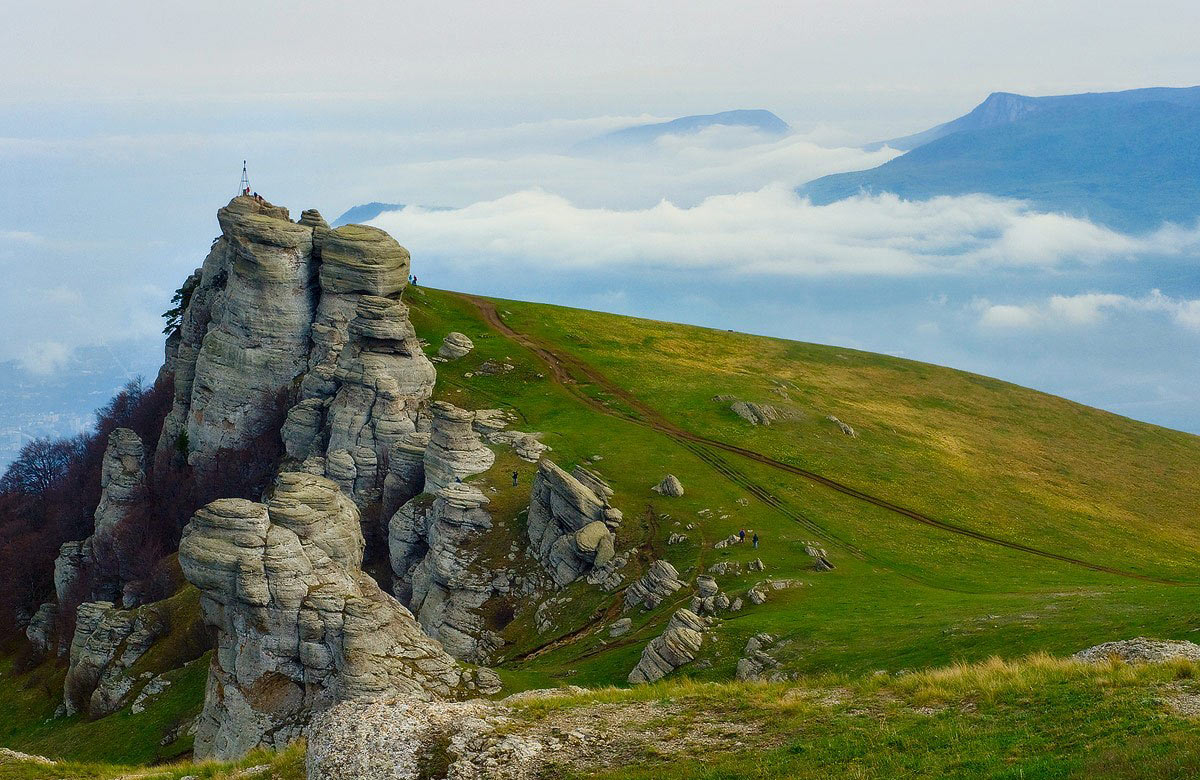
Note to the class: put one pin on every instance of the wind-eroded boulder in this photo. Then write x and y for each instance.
(569, 525)
(455, 345)
(299, 624)
(669, 486)
(107, 642)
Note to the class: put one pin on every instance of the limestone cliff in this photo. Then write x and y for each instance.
(300, 626)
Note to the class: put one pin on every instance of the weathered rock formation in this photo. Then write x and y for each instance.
(455, 450)
(570, 527)
(670, 486)
(244, 336)
(107, 642)
(1141, 650)
(439, 572)
(708, 598)
(843, 427)
(300, 625)
(820, 557)
(756, 663)
(660, 581)
(122, 488)
(40, 631)
(455, 345)
(755, 414)
(673, 648)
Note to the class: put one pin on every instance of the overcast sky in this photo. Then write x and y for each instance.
(826, 60)
(123, 127)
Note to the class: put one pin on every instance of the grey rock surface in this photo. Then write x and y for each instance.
(1141, 650)
(660, 581)
(455, 449)
(669, 486)
(107, 642)
(674, 647)
(567, 525)
(455, 345)
(439, 571)
(756, 663)
(122, 488)
(300, 626)
(755, 414)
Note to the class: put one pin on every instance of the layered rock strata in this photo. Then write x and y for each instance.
(570, 528)
(677, 645)
(659, 582)
(107, 642)
(244, 336)
(122, 489)
(439, 571)
(299, 624)
(455, 449)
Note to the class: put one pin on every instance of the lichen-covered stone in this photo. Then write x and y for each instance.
(107, 642)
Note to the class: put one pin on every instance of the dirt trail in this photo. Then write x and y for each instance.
(564, 369)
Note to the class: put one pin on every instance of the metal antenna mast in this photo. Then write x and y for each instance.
(244, 187)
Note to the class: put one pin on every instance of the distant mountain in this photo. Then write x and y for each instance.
(1127, 159)
(757, 119)
(364, 212)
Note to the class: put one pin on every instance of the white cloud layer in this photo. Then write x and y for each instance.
(772, 231)
(1086, 309)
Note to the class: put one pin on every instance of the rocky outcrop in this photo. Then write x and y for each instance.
(122, 489)
(438, 569)
(660, 581)
(244, 337)
(299, 624)
(1141, 650)
(676, 646)
(819, 556)
(406, 471)
(756, 663)
(455, 345)
(72, 569)
(107, 642)
(669, 486)
(570, 528)
(708, 598)
(40, 631)
(755, 414)
(455, 450)
(843, 427)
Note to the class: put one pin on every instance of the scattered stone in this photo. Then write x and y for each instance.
(1141, 650)
(620, 627)
(820, 557)
(660, 581)
(526, 446)
(492, 367)
(670, 486)
(756, 565)
(728, 541)
(846, 429)
(725, 568)
(756, 663)
(757, 594)
(156, 686)
(676, 646)
(455, 345)
(608, 577)
(677, 538)
(755, 414)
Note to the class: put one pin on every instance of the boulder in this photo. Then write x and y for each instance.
(299, 624)
(527, 446)
(455, 345)
(670, 486)
(1141, 650)
(756, 663)
(820, 557)
(755, 414)
(567, 527)
(660, 581)
(676, 646)
(843, 427)
(620, 627)
(107, 642)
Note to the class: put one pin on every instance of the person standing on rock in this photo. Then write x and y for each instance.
(755, 540)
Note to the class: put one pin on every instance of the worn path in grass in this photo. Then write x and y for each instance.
(566, 368)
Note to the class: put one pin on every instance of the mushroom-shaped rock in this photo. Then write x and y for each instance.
(455, 450)
(363, 259)
(455, 345)
(670, 486)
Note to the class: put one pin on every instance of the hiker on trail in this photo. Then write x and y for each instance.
(741, 534)
(514, 479)
(414, 280)
(755, 540)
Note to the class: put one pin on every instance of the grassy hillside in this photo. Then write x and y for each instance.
(1036, 717)
(1040, 524)
(967, 518)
